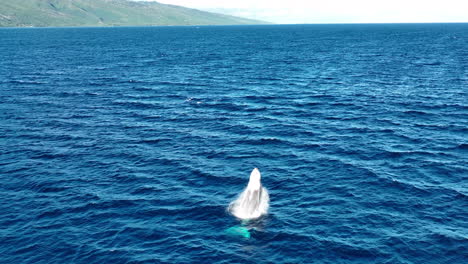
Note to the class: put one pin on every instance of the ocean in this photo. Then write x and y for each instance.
(126, 145)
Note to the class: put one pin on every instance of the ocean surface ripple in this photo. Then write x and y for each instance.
(126, 145)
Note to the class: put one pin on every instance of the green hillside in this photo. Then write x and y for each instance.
(69, 13)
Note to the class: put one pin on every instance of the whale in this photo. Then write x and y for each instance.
(253, 202)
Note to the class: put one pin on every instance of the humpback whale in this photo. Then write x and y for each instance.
(253, 202)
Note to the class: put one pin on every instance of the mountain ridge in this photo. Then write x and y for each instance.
(97, 13)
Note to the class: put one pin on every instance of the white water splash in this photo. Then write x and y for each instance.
(254, 201)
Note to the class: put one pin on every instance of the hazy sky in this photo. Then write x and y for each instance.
(338, 11)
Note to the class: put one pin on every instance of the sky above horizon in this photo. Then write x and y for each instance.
(337, 11)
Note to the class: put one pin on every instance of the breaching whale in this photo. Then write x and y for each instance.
(253, 202)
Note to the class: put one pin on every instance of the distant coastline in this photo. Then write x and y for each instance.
(105, 13)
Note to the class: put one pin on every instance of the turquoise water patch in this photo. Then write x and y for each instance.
(238, 231)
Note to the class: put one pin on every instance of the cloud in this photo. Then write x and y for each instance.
(337, 11)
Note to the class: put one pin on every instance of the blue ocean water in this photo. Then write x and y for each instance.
(126, 145)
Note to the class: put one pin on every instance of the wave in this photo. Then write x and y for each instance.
(364, 161)
(136, 104)
(263, 141)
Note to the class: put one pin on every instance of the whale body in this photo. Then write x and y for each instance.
(254, 201)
